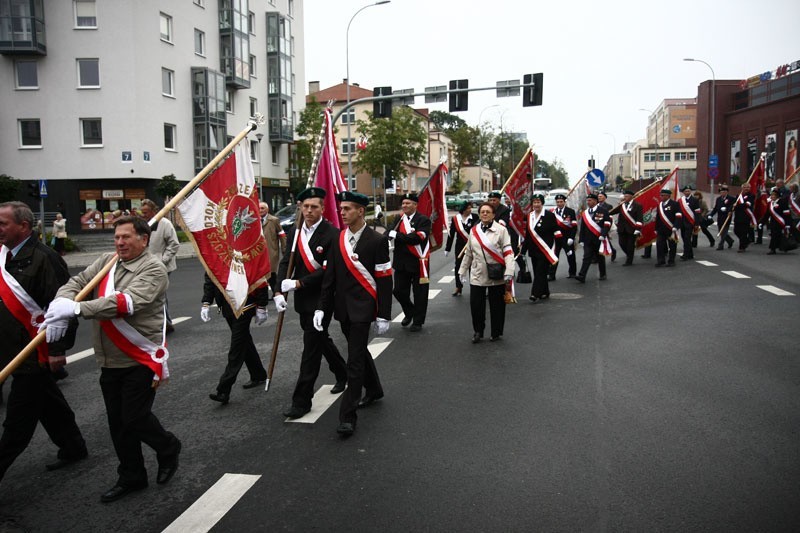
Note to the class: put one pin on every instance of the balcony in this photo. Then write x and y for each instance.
(22, 28)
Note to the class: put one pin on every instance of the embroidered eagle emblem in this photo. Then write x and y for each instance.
(242, 220)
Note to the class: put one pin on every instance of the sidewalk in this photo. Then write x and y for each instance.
(84, 259)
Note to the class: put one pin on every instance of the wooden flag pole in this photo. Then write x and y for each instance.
(521, 161)
(290, 267)
(87, 290)
(730, 214)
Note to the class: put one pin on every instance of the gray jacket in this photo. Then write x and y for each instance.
(474, 262)
(164, 243)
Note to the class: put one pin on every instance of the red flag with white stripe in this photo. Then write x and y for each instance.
(329, 174)
(222, 219)
(758, 186)
(433, 205)
(518, 189)
(649, 198)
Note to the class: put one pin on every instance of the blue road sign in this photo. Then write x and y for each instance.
(713, 161)
(595, 177)
(713, 172)
(43, 188)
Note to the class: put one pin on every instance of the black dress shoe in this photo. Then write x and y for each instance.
(670, 263)
(415, 327)
(170, 328)
(496, 338)
(533, 298)
(603, 278)
(613, 255)
(296, 412)
(581, 279)
(406, 321)
(551, 278)
(476, 338)
(221, 397)
(117, 491)
(660, 265)
(368, 400)
(339, 387)
(346, 429)
(571, 276)
(168, 468)
(627, 264)
(253, 384)
(61, 463)
(771, 252)
(457, 292)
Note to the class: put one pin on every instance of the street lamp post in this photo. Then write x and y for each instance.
(713, 111)
(347, 88)
(480, 146)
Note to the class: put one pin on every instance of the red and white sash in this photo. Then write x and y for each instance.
(548, 252)
(355, 267)
(460, 229)
(663, 216)
(625, 211)
(420, 253)
(490, 248)
(560, 220)
(774, 211)
(687, 210)
(312, 264)
(747, 209)
(127, 338)
(588, 219)
(20, 304)
(794, 205)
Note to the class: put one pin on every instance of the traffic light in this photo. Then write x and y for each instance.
(34, 190)
(459, 100)
(382, 108)
(388, 179)
(590, 163)
(532, 90)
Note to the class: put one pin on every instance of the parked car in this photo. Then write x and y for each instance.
(287, 215)
(452, 201)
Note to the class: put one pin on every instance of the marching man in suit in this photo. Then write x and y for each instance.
(311, 246)
(595, 225)
(629, 225)
(411, 262)
(668, 223)
(357, 288)
(690, 213)
(540, 234)
(568, 223)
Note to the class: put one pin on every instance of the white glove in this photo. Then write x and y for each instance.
(59, 309)
(261, 315)
(288, 285)
(637, 232)
(55, 330)
(446, 253)
(674, 230)
(723, 209)
(508, 277)
(381, 326)
(464, 279)
(570, 242)
(317, 321)
(392, 234)
(569, 253)
(205, 315)
(280, 303)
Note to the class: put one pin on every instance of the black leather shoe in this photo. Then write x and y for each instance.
(476, 338)
(368, 400)
(497, 338)
(771, 252)
(571, 276)
(221, 397)
(660, 265)
(406, 321)
(613, 255)
(671, 263)
(603, 278)
(532, 298)
(168, 469)
(581, 279)
(415, 327)
(346, 429)
(253, 384)
(61, 463)
(296, 412)
(457, 292)
(551, 278)
(627, 264)
(339, 387)
(116, 492)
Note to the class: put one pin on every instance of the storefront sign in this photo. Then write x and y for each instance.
(109, 194)
(781, 71)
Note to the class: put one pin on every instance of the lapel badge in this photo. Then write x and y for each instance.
(354, 257)
(319, 249)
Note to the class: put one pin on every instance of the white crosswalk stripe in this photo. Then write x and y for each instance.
(706, 263)
(775, 290)
(734, 274)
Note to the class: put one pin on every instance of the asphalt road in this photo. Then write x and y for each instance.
(658, 400)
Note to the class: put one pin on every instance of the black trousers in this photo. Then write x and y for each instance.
(361, 371)
(541, 268)
(403, 284)
(129, 397)
(665, 244)
(742, 232)
(35, 398)
(704, 228)
(686, 236)
(627, 243)
(459, 285)
(315, 345)
(573, 264)
(242, 351)
(591, 251)
(775, 237)
(497, 307)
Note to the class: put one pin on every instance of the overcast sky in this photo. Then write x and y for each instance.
(602, 60)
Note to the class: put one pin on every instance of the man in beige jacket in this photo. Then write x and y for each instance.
(164, 244)
(276, 241)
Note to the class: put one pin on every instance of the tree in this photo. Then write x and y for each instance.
(168, 186)
(308, 128)
(8, 188)
(392, 142)
(447, 122)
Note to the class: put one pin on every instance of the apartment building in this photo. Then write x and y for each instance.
(102, 99)
(671, 141)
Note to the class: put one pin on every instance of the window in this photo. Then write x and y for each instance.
(251, 23)
(27, 74)
(91, 132)
(88, 73)
(681, 156)
(30, 133)
(199, 42)
(254, 151)
(290, 9)
(167, 82)
(664, 156)
(692, 156)
(85, 14)
(166, 28)
(253, 107)
(649, 158)
(229, 100)
(253, 73)
(275, 154)
(349, 116)
(349, 146)
(170, 136)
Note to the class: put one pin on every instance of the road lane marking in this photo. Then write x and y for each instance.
(734, 274)
(433, 293)
(323, 398)
(775, 290)
(180, 319)
(399, 318)
(447, 279)
(706, 263)
(209, 509)
(80, 355)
